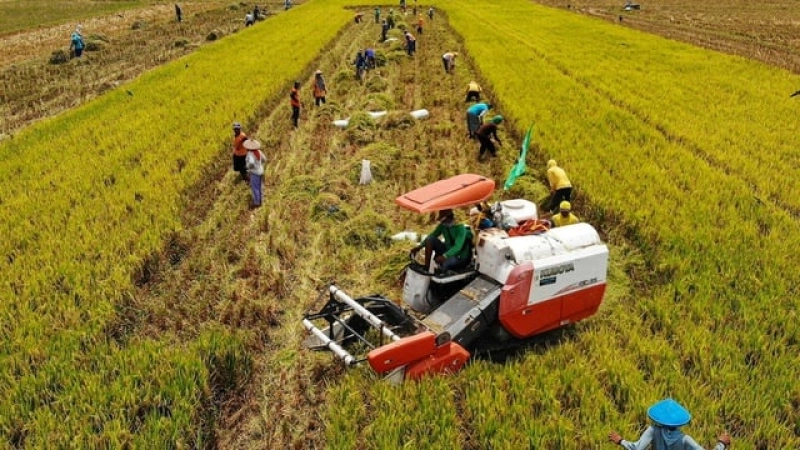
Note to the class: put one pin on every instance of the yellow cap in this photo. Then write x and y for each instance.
(564, 206)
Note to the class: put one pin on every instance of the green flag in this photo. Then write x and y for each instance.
(519, 168)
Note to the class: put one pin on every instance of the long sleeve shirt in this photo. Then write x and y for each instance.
(255, 162)
(488, 130)
(557, 178)
(652, 439)
(456, 238)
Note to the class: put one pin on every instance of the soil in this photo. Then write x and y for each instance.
(767, 31)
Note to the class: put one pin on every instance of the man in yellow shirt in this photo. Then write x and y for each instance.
(474, 92)
(564, 216)
(560, 186)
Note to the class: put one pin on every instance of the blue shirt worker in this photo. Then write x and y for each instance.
(665, 434)
(77, 43)
(475, 115)
(455, 252)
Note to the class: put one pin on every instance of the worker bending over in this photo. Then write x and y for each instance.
(560, 186)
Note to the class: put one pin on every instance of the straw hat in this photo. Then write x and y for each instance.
(252, 144)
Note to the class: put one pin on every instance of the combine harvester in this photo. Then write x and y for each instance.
(516, 287)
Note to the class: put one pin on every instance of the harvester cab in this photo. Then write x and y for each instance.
(517, 287)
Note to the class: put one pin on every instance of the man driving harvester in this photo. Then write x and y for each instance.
(456, 250)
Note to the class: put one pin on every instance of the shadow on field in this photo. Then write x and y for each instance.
(508, 351)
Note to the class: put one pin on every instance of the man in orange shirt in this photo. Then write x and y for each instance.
(239, 152)
(294, 98)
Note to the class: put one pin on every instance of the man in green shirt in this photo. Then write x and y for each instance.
(455, 252)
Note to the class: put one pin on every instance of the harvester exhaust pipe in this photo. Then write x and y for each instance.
(370, 318)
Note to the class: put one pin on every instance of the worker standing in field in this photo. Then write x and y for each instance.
(665, 434)
(294, 100)
(390, 19)
(76, 42)
(255, 161)
(384, 30)
(485, 134)
(239, 152)
(420, 23)
(456, 250)
(377, 14)
(564, 216)
(475, 115)
(320, 90)
(430, 13)
(411, 43)
(449, 62)
(178, 13)
(473, 92)
(560, 186)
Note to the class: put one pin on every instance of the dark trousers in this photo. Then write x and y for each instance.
(295, 115)
(319, 101)
(559, 196)
(453, 262)
(474, 96)
(486, 144)
(240, 165)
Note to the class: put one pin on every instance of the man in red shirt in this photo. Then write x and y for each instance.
(239, 152)
(294, 97)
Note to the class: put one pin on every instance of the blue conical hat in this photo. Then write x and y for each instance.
(669, 413)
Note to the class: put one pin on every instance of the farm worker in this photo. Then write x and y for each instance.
(384, 29)
(475, 115)
(403, 5)
(455, 252)
(239, 152)
(377, 14)
(360, 63)
(369, 55)
(473, 92)
(178, 13)
(420, 22)
(481, 216)
(564, 216)
(319, 88)
(358, 17)
(449, 62)
(411, 43)
(77, 43)
(485, 133)
(255, 167)
(430, 13)
(287, 4)
(256, 13)
(294, 100)
(390, 19)
(560, 186)
(248, 19)
(665, 434)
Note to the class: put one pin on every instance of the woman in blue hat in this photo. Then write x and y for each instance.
(667, 416)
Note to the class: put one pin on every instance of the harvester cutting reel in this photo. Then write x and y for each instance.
(364, 329)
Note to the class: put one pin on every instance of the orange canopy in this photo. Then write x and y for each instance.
(455, 192)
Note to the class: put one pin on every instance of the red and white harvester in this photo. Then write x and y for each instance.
(517, 287)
